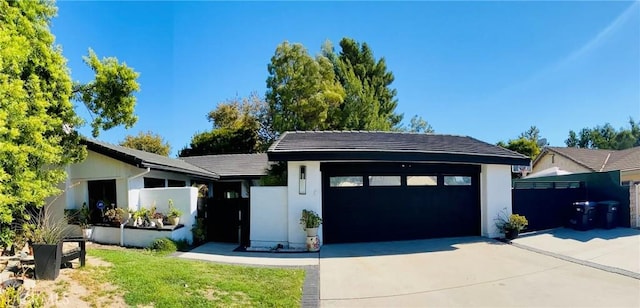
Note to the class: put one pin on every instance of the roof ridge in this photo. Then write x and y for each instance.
(371, 131)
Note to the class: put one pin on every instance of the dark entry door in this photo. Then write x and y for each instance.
(365, 202)
(101, 191)
(228, 214)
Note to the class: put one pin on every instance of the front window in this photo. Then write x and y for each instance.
(457, 180)
(346, 181)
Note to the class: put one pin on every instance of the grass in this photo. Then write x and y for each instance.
(145, 278)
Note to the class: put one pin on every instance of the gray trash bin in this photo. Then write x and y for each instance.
(607, 214)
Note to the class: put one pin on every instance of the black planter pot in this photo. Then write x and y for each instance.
(47, 259)
(511, 234)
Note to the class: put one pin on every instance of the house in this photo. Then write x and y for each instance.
(578, 160)
(115, 176)
(237, 172)
(381, 186)
(227, 211)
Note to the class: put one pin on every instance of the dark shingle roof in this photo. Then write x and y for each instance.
(601, 160)
(232, 165)
(142, 159)
(369, 145)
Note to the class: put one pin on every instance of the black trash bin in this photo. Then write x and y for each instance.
(583, 215)
(607, 214)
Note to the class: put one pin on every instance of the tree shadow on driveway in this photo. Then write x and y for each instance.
(398, 248)
(585, 236)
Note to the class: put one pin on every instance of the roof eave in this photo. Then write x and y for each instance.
(180, 170)
(395, 156)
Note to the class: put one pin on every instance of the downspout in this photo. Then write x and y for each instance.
(128, 192)
(637, 205)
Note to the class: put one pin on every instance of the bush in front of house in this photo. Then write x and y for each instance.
(163, 245)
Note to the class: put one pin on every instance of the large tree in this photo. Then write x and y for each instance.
(370, 102)
(301, 90)
(606, 137)
(528, 143)
(36, 114)
(239, 125)
(148, 142)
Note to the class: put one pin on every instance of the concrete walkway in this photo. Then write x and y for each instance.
(616, 248)
(223, 253)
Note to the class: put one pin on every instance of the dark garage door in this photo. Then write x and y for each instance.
(364, 202)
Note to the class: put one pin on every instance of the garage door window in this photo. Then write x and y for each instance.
(457, 180)
(422, 180)
(377, 180)
(346, 181)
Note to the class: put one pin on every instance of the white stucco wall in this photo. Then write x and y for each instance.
(495, 196)
(184, 198)
(312, 200)
(269, 214)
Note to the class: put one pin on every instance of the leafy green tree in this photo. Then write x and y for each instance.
(109, 97)
(606, 137)
(36, 114)
(301, 90)
(370, 101)
(528, 143)
(239, 125)
(419, 125)
(148, 142)
(523, 146)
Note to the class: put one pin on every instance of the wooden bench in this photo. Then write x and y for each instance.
(79, 252)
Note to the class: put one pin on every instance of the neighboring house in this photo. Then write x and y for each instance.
(578, 160)
(380, 186)
(117, 176)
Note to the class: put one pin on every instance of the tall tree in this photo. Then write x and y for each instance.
(419, 125)
(606, 137)
(36, 115)
(239, 125)
(370, 101)
(529, 143)
(148, 142)
(301, 90)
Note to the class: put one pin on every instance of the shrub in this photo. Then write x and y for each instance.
(182, 244)
(163, 245)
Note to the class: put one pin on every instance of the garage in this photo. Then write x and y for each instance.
(364, 202)
(372, 186)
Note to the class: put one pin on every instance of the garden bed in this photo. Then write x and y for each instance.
(137, 236)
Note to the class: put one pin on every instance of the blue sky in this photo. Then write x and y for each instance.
(483, 69)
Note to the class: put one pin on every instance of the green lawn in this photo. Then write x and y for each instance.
(145, 278)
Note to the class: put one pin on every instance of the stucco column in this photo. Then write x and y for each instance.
(495, 196)
(310, 200)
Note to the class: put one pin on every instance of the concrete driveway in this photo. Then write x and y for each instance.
(463, 272)
(615, 250)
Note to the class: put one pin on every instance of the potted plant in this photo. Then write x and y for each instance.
(139, 216)
(46, 234)
(115, 216)
(173, 215)
(84, 219)
(157, 218)
(512, 225)
(310, 222)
